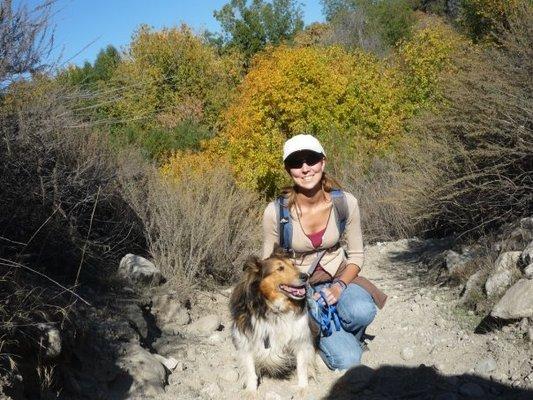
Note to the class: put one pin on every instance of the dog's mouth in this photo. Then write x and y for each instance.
(295, 292)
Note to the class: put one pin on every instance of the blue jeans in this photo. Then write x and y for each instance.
(356, 310)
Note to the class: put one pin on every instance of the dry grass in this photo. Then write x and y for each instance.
(202, 228)
(383, 217)
(488, 178)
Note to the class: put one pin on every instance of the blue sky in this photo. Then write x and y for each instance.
(86, 26)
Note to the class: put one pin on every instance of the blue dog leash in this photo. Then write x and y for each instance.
(327, 315)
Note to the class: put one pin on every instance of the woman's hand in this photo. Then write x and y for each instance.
(332, 294)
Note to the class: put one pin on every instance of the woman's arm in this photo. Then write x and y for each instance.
(354, 238)
(354, 252)
(270, 230)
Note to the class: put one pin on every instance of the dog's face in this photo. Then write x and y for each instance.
(280, 282)
(281, 279)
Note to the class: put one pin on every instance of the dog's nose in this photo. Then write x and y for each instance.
(304, 276)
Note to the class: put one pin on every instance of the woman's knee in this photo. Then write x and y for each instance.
(356, 308)
(344, 360)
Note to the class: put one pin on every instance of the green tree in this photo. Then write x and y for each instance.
(105, 64)
(363, 20)
(250, 27)
(89, 75)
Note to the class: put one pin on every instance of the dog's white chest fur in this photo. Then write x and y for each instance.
(275, 344)
(275, 340)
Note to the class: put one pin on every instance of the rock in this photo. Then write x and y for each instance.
(169, 314)
(138, 269)
(134, 315)
(499, 377)
(407, 353)
(205, 325)
(169, 363)
(471, 389)
(473, 288)
(211, 391)
(524, 325)
(505, 271)
(530, 334)
(485, 366)
(455, 262)
(517, 301)
(528, 271)
(518, 239)
(145, 375)
(527, 254)
(49, 340)
(527, 223)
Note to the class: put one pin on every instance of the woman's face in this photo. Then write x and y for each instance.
(306, 168)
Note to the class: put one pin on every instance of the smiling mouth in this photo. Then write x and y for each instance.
(296, 292)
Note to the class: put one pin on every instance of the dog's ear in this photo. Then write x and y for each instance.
(252, 265)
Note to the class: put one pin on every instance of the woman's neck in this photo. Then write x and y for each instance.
(310, 198)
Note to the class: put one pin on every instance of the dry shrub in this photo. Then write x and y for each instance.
(202, 227)
(488, 178)
(60, 203)
(382, 216)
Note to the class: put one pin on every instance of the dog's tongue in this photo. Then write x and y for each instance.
(295, 291)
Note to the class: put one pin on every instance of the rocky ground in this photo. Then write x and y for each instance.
(424, 345)
(131, 345)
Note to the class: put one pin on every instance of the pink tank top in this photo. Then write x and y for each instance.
(316, 238)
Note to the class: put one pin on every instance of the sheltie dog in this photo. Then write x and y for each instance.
(270, 322)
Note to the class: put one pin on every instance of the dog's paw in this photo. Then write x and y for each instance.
(250, 395)
(300, 394)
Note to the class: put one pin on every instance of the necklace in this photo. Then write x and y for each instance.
(299, 214)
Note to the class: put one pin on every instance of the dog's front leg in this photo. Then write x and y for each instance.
(303, 360)
(250, 376)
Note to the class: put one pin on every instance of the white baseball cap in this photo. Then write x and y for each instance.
(302, 142)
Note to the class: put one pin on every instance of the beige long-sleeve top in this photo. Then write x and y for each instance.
(332, 260)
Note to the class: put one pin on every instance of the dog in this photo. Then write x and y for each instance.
(270, 322)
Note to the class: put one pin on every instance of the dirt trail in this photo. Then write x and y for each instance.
(423, 347)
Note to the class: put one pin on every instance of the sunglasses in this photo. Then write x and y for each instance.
(298, 161)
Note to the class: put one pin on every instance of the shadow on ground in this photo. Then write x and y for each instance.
(419, 383)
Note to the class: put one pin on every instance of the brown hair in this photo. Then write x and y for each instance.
(328, 184)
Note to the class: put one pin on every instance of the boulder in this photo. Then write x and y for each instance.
(473, 288)
(169, 363)
(518, 239)
(527, 254)
(517, 302)
(485, 366)
(455, 262)
(528, 271)
(134, 315)
(527, 223)
(504, 273)
(169, 314)
(145, 374)
(138, 269)
(205, 325)
(49, 340)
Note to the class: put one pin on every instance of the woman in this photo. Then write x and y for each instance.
(315, 243)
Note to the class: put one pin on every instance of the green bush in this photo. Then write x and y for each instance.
(158, 141)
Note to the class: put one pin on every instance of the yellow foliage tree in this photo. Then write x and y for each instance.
(171, 75)
(427, 57)
(344, 98)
